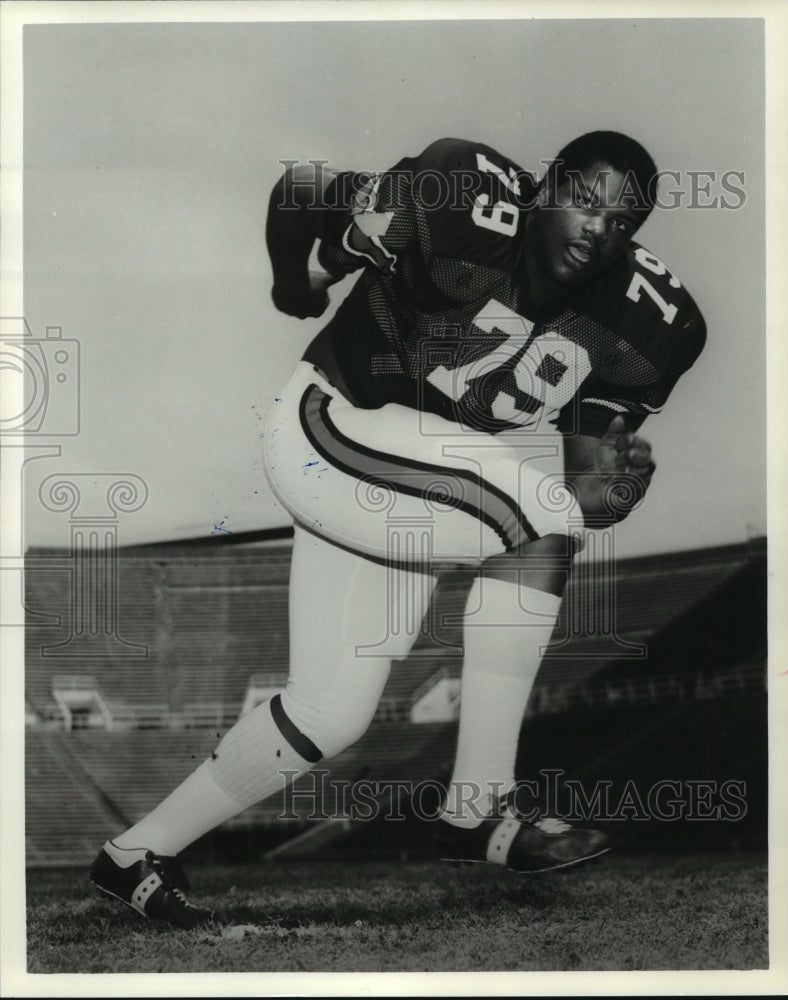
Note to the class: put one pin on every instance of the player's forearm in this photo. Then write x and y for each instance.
(292, 226)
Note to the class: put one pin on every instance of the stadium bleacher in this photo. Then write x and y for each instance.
(65, 814)
(213, 618)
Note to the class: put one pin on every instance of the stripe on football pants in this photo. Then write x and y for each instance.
(457, 488)
(302, 745)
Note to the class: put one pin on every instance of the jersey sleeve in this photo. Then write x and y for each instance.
(456, 194)
(360, 228)
(660, 333)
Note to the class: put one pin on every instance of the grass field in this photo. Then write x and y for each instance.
(623, 912)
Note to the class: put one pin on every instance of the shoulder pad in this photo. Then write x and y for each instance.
(643, 300)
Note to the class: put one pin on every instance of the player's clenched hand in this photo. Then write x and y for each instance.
(622, 452)
(304, 300)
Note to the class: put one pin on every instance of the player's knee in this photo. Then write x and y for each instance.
(543, 564)
(339, 727)
(332, 736)
(337, 739)
(330, 730)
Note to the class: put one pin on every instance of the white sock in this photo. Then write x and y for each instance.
(505, 631)
(246, 768)
(196, 806)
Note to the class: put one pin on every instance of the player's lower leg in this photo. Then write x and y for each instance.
(255, 759)
(510, 615)
(247, 766)
(335, 684)
(504, 635)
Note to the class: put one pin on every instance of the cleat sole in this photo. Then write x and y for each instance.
(114, 895)
(144, 916)
(457, 862)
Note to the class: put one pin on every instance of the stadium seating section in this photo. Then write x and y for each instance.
(117, 713)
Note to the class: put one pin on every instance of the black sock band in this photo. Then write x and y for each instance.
(302, 745)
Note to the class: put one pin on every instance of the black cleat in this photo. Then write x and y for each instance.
(519, 846)
(153, 885)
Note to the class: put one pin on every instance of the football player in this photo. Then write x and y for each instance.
(494, 318)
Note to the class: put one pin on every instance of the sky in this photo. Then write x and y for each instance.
(149, 154)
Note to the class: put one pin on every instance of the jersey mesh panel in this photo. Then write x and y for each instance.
(613, 361)
(465, 281)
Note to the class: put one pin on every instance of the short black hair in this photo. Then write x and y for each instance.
(619, 151)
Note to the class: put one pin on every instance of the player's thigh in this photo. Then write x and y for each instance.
(349, 618)
(397, 483)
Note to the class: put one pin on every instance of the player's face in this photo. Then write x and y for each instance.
(584, 226)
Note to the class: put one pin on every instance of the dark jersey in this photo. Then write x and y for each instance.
(441, 317)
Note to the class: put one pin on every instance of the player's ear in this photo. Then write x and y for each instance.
(547, 189)
(542, 193)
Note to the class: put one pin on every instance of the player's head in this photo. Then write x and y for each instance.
(595, 195)
(617, 152)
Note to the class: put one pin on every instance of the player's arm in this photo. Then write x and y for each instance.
(610, 474)
(296, 213)
(369, 220)
(606, 462)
